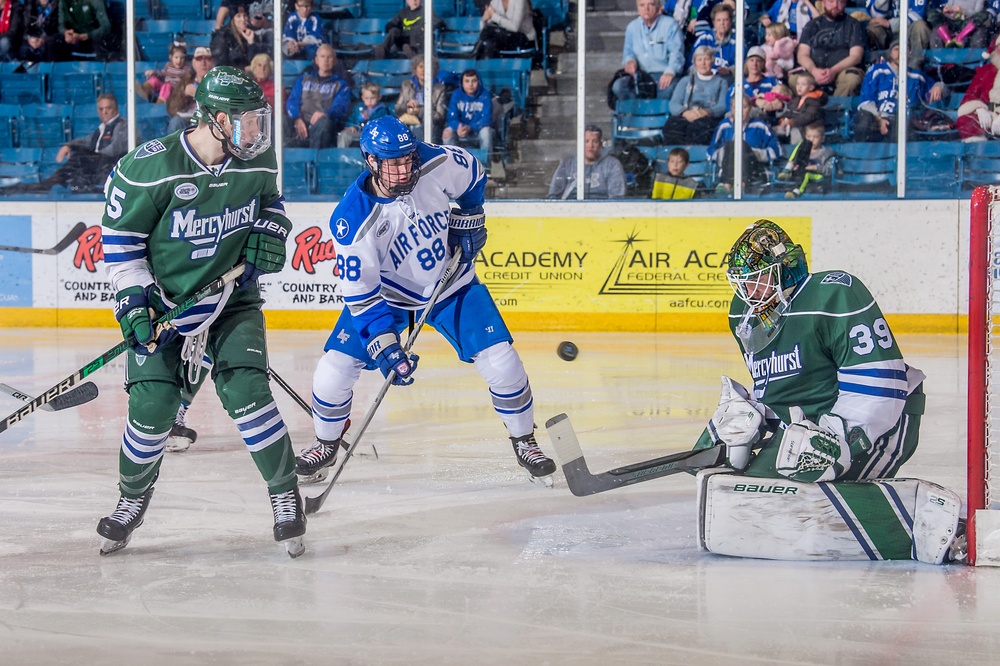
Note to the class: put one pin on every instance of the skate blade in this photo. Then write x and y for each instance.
(295, 546)
(544, 480)
(108, 546)
(177, 445)
(317, 477)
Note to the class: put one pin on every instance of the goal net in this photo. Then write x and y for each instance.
(984, 378)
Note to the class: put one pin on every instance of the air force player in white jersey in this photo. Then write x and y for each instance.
(394, 233)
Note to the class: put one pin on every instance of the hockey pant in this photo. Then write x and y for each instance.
(470, 321)
(882, 461)
(154, 383)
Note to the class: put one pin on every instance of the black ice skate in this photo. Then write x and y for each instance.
(118, 527)
(181, 437)
(289, 521)
(540, 467)
(311, 464)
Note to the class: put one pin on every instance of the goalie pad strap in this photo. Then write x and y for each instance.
(781, 519)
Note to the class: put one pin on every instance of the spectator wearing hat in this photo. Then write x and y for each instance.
(180, 104)
(875, 119)
(36, 47)
(979, 112)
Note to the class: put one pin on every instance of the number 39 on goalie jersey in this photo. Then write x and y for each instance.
(833, 353)
(394, 251)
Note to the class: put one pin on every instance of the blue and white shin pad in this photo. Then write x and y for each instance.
(502, 369)
(332, 394)
(780, 519)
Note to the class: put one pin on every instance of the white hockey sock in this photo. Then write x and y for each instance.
(502, 369)
(333, 384)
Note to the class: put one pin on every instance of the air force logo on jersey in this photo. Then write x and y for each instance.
(341, 228)
(206, 232)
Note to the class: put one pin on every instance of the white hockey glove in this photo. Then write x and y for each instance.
(809, 452)
(737, 422)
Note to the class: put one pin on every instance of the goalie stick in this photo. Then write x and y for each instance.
(80, 395)
(313, 504)
(582, 482)
(66, 385)
(73, 234)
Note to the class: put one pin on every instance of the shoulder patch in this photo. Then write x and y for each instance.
(837, 278)
(149, 148)
(186, 191)
(341, 228)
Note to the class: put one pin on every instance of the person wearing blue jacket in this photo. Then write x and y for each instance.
(721, 39)
(369, 108)
(760, 148)
(654, 44)
(883, 26)
(470, 112)
(303, 32)
(318, 103)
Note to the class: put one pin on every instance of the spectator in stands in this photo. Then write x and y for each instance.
(159, 84)
(721, 39)
(883, 27)
(404, 33)
(43, 15)
(86, 29)
(318, 103)
(789, 13)
(180, 104)
(979, 113)
(369, 108)
(11, 28)
(779, 51)
(262, 70)
(961, 23)
(259, 12)
(36, 47)
(303, 32)
(756, 85)
(88, 159)
(236, 44)
(875, 119)
(805, 108)
(810, 164)
(831, 49)
(470, 113)
(760, 149)
(654, 44)
(506, 25)
(675, 184)
(698, 102)
(410, 103)
(603, 175)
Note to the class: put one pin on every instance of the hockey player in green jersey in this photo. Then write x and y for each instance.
(181, 211)
(832, 401)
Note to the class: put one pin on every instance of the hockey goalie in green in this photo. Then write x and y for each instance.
(814, 446)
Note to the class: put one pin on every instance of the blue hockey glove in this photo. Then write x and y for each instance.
(467, 230)
(265, 251)
(385, 350)
(133, 314)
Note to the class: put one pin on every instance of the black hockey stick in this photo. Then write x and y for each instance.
(82, 394)
(313, 504)
(298, 399)
(66, 385)
(73, 234)
(582, 482)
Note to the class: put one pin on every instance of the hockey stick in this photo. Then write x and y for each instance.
(66, 385)
(73, 234)
(582, 482)
(313, 504)
(297, 398)
(83, 393)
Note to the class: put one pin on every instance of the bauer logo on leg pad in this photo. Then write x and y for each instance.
(764, 488)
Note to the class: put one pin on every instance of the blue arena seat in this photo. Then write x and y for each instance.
(151, 121)
(9, 113)
(338, 8)
(291, 70)
(459, 36)
(181, 9)
(980, 164)
(639, 120)
(383, 9)
(699, 166)
(76, 82)
(934, 169)
(84, 120)
(170, 26)
(388, 74)
(356, 38)
(336, 169)
(24, 85)
(44, 125)
(20, 163)
(865, 167)
(299, 177)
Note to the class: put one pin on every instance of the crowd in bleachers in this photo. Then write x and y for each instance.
(813, 69)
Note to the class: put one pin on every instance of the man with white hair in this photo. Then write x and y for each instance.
(654, 45)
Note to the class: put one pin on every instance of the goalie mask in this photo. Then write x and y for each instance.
(233, 92)
(765, 267)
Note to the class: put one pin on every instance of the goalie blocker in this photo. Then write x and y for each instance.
(781, 519)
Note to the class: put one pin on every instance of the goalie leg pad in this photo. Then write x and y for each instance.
(781, 519)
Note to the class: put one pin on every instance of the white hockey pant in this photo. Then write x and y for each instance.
(503, 371)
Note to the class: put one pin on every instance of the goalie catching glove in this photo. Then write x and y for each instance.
(738, 422)
(467, 230)
(265, 250)
(385, 350)
(135, 318)
(811, 452)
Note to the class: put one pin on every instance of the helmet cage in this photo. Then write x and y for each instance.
(383, 179)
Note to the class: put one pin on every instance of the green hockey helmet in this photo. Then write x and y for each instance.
(233, 92)
(765, 267)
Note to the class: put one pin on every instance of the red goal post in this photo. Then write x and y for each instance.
(984, 377)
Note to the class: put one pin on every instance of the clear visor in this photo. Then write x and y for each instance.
(251, 132)
(759, 288)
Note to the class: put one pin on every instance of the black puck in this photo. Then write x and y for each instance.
(567, 351)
